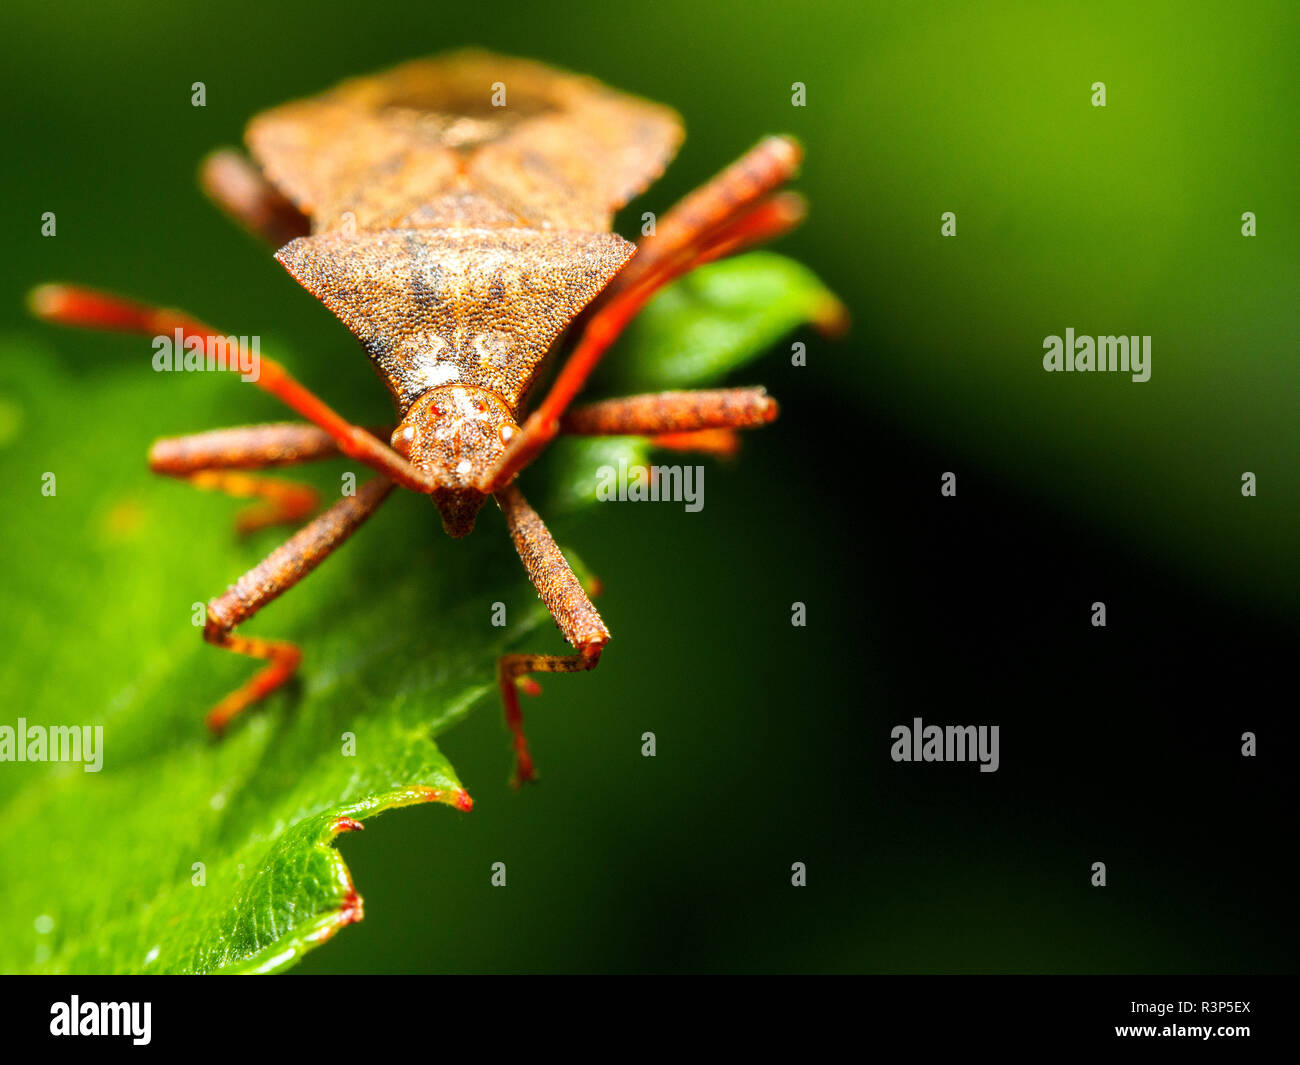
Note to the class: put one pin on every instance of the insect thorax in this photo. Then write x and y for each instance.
(476, 307)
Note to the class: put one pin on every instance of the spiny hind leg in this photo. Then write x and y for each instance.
(568, 603)
(272, 577)
(236, 186)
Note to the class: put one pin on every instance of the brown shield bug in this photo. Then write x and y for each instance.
(455, 214)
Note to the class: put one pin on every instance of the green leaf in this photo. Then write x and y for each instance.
(718, 318)
(190, 855)
(577, 462)
(712, 322)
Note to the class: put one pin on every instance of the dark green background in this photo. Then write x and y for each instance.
(1118, 745)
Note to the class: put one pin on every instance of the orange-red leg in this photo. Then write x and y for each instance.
(279, 502)
(673, 412)
(568, 603)
(714, 205)
(702, 421)
(71, 305)
(720, 443)
(217, 460)
(276, 574)
(238, 188)
(730, 212)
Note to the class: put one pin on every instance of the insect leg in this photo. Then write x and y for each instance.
(277, 573)
(282, 502)
(71, 305)
(245, 447)
(215, 460)
(731, 194)
(700, 421)
(732, 211)
(238, 188)
(673, 412)
(766, 220)
(563, 595)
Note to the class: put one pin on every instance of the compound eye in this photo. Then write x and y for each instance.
(402, 439)
(480, 406)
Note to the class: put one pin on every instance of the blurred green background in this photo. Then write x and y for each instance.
(1119, 745)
